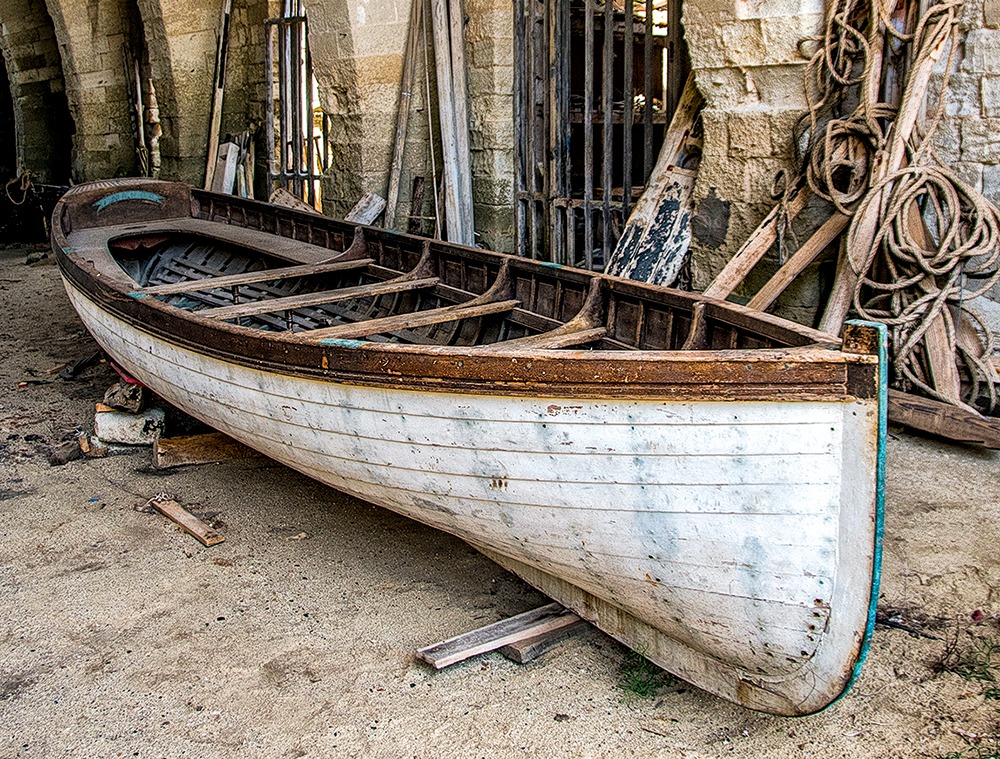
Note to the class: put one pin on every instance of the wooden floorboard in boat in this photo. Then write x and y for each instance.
(265, 275)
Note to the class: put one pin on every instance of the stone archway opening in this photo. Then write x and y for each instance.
(8, 130)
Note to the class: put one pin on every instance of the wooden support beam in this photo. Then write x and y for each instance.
(218, 90)
(755, 247)
(491, 637)
(267, 275)
(272, 305)
(943, 420)
(799, 260)
(403, 112)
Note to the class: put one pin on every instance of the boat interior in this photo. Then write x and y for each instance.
(347, 282)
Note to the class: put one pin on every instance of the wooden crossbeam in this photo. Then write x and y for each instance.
(252, 277)
(755, 247)
(273, 305)
(407, 321)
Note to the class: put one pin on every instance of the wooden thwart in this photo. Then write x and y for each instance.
(530, 624)
(271, 305)
(186, 521)
(410, 320)
(209, 448)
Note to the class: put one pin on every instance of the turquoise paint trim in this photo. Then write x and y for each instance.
(137, 295)
(118, 197)
(551, 265)
(883, 414)
(339, 343)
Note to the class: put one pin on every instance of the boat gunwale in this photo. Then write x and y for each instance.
(809, 371)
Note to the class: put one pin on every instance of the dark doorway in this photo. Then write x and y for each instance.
(8, 134)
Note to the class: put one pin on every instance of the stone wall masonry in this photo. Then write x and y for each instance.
(358, 59)
(41, 115)
(967, 139)
(91, 37)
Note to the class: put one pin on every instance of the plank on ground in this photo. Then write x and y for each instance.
(210, 448)
(529, 649)
(187, 521)
(530, 624)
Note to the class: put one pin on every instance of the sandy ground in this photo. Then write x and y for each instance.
(121, 636)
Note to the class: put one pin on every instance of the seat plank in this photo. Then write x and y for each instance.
(407, 321)
(272, 305)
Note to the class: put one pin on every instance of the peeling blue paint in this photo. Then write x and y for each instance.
(551, 265)
(118, 197)
(138, 295)
(883, 406)
(341, 343)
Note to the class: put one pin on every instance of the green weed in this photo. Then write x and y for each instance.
(640, 678)
(976, 661)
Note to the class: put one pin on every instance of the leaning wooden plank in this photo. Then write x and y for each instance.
(407, 321)
(943, 419)
(491, 637)
(224, 178)
(366, 210)
(938, 345)
(529, 649)
(868, 220)
(282, 197)
(186, 521)
(265, 275)
(799, 260)
(403, 112)
(271, 305)
(210, 448)
(656, 239)
(218, 89)
(755, 247)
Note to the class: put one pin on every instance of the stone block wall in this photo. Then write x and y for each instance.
(969, 136)
(91, 39)
(747, 65)
(358, 60)
(43, 125)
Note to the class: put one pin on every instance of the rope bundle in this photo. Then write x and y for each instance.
(921, 241)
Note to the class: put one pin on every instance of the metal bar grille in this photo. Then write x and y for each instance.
(595, 84)
(298, 132)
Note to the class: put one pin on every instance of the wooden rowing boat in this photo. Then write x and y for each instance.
(699, 480)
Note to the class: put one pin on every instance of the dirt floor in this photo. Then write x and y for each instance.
(122, 636)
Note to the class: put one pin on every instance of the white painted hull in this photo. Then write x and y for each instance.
(729, 541)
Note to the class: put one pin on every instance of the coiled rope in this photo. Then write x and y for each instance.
(936, 242)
